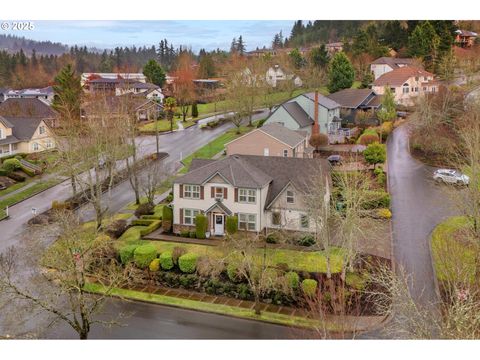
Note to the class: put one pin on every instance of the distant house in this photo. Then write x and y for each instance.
(44, 94)
(131, 77)
(147, 90)
(271, 140)
(29, 108)
(265, 193)
(384, 65)
(465, 38)
(406, 83)
(276, 75)
(354, 100)
(334, 47)
(24, 135)
(299, 114)
(261, 52)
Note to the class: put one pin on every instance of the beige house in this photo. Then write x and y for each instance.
(384, 65)
(24, 135)
(271, 140)
(407, 84)
(263, 192)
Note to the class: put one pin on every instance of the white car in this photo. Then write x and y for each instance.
(450, 176)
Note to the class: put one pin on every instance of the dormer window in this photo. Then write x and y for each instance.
(290, 197)
(41, 130)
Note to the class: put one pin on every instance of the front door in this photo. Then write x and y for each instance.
(219, 225)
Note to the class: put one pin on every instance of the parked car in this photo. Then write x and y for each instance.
(450, 176)
(334, 160)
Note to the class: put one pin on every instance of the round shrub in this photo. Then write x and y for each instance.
(166, 260)
(367, 139)
(384, 213)
(309, 287)
(126, 253)
(154, 265)
(11, 165)
(143, 255)
(188, 263)
(293, 279)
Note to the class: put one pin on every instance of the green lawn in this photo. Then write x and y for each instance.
(454, 260)
(214, 147)
(207, 307)
(164, 125)
(15, 187)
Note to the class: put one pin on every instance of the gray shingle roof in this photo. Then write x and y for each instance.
(323, 101)
(257, 171)
(23, 128)
(393, 62)
(26, 107)
(352, 98)
(298, 114)
(282, 133)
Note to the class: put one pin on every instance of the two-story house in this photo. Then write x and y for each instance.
(407, 84)
(299, 114)
(385, 64)
(263, 192)
(271, 140)
(276, 75)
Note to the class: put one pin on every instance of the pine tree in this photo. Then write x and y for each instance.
(240, 45)
(233, 46)
(341, 73)
(68, 93)
(154, 72)
(319, 56)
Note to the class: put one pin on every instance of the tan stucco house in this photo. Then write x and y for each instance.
(265, 193)
(24, 135)
(271, 140)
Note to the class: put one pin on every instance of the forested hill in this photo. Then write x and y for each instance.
(13, 44)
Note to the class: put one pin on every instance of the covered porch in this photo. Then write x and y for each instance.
(217, 217)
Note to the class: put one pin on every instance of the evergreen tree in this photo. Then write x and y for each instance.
(106, 65)
(233, 46)
(341, 73)
(194, 110)
(154, 72)
(296, 58)
(206, 67)
(394, 35)
(424, 41)
(68, 93)
(319, 56)
(240, 46)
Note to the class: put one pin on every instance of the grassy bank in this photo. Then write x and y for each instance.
(164, 125)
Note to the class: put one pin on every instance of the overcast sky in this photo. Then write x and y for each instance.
(197, 34)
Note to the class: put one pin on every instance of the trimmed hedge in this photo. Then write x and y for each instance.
(17, 177)
(166, 260)
(231, 224)
(126, 253)
(27, 171)
(11, 164)
(188, 263)
(154, 225)
(200, 226)
(151, 217)
(293, 279)
(154, 265)
(377, 199)
(167, 218)
(143, 255)
(309, 287)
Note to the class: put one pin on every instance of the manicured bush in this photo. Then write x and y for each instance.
(16, 177)
(366, 139)
(4, 172)
(188, 263)
(200, 226)
(144, 209)
(384, 213)
(375, 153)
(154, 265)
(231, 225)
(232, 272)
(154, 225)
(126, 253)
(380, 175)
(11, 164)
(177, 252)
(376, 199)
(166, 260)
(194, 110)
(167, 218)
(27, 171)
(151, 217)
(116, 228)
(169, 198)
(309, 287)
(143, 255)
(306, 240)
(293, 279)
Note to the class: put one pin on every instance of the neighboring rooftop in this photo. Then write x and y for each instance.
(393, 62)
(26, 107)
(399, 76)
(287, 136)
(22, 128)
(466, 33)
(297, 113)
(354, 98)
(323, 101)
(256, 171)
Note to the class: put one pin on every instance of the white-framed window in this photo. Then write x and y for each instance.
(405, 89)
(285, 152)
(290, 197)
(191, 191)
(49, 144)
(266, 152)
(247, 222)
(189, 216)
(304, 221)
(218, 193)
(35, 146)
(41, 130)
(276, 218)
(247, 196)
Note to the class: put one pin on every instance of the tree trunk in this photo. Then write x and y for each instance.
(74, 184)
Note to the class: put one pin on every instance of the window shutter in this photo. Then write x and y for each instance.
(202, 192)
(181, 216)
(212, 192)
(236, 194)
(225, 193)
(181, 190)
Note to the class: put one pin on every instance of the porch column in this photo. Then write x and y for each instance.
(9, 148)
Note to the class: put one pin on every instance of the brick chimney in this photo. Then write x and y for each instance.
(316, 126)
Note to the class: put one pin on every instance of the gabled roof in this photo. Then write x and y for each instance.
(323, 101)
(466, 33)
(252, 171)
(26, 107)
(221, 206)
(399, 76)
(23, 128)
(297, 113)
(353, 98)
(393, 62)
